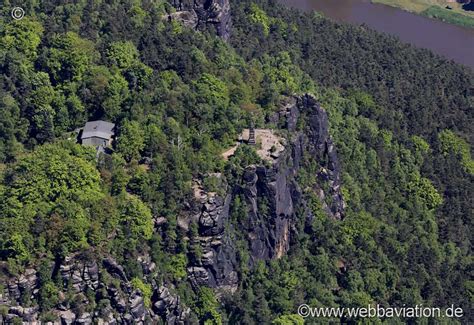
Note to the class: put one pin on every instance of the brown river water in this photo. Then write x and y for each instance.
(453, 42)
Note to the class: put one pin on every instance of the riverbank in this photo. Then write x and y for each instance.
(449, 40)
(435, 9)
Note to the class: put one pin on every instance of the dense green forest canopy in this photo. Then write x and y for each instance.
(401, 118)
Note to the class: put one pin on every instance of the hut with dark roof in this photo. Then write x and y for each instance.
(98, 134)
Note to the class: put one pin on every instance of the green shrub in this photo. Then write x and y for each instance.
(145, 289)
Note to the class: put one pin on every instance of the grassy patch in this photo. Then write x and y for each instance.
(448, 16)
(409, 5)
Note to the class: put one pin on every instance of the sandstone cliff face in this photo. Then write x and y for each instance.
(270, 230)
(199, 13)
(270, 202)
(272, 198)
(217, 266)
(320, 145)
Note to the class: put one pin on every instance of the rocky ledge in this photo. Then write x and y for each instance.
(199, 13)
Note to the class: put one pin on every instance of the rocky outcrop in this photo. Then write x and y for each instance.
(269, 197)
(199, 13)
(120, 303)
(25, 285)
(321, 146)
(169, 306)
(216, 266)
(271, 192)
(25, 314)
(272, 197)
(80, 275)
(188, 18)
(268, 194)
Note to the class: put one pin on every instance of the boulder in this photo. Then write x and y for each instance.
(67, 317)
(85, 319)
(114, 268)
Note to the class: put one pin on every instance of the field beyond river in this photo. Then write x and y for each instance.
(449, 11)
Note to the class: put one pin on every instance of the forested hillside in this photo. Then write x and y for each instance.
(369, 202)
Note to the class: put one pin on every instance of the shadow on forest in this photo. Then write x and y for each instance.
(468, 6)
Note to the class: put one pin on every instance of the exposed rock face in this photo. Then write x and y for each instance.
(187, 18)
(267, 191)
(169, 307)
(217, 266)
(198, 13)
(271, 195)
(321, 146)
(79, 274)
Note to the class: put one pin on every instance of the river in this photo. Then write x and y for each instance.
(450, 41)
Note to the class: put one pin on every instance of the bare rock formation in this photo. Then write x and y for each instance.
(201, 13)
